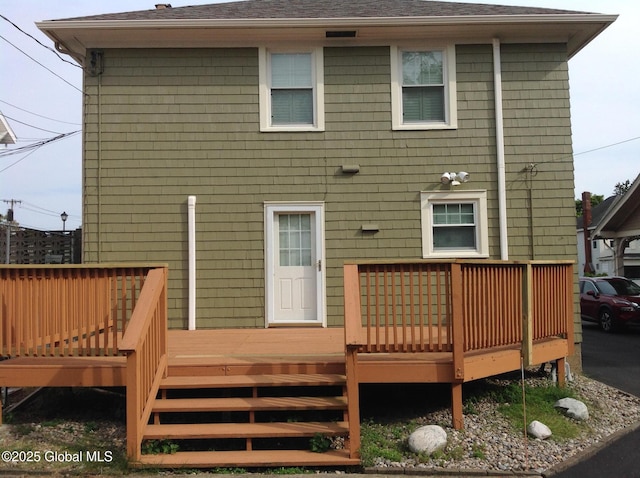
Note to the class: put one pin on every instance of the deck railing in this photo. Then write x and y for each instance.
(79, 310)
(449, 306)
(458, 307)
(145, 344)
(91, 311)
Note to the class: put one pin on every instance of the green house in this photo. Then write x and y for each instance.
(256, 146)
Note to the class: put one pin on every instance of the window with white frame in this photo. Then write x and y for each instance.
(423, 88)
(454, 224)
(291, 90)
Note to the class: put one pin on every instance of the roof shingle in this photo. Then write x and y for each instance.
(315, 9)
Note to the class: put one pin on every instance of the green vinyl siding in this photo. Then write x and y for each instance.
(163, 124)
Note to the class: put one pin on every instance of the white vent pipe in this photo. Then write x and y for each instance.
(191, 217)
(502, 183)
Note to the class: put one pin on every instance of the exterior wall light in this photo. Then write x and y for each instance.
(454, 179)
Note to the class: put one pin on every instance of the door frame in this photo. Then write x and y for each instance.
(271, 208)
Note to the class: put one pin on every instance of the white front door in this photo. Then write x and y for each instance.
(294, 258)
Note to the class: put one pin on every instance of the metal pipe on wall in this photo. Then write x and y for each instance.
(502, 187)
(191, 218)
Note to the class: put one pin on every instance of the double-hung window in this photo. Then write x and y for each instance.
(454, 224)
(423, 88)
(291, 90)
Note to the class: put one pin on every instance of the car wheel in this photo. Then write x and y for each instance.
(607, 320)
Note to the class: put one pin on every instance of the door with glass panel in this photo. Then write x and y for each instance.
(294, 265)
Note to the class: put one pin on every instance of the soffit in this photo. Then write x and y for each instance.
(75, 36)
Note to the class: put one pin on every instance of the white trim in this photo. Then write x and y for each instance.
(317, 55)
(53, 25)
(450, 97)
(270, 209)
(479, 198)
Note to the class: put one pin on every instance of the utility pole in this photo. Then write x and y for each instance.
(9, 220)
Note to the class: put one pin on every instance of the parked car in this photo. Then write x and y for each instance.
(613, 302)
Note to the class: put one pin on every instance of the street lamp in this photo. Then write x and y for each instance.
(64, 217)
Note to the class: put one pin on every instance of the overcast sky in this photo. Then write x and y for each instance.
(605, 102)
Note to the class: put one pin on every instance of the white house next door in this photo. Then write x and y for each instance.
(294, 264)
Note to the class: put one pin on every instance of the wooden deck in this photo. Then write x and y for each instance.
(235, 390)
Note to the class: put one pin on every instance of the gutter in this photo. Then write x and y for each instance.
(325, 22)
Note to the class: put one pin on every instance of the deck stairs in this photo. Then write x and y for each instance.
(261, 420)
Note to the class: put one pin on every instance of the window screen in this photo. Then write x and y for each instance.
(423, 86)
(291, 88)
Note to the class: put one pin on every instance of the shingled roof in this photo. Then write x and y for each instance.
(251, 23)
(315, 9)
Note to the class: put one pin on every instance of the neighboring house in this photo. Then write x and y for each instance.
(614, 234)
(308, 133)
(7, 136)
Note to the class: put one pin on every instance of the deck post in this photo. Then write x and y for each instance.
(569, 311)
(457, 417)
(352, 312)
(353, 400)
(561, 372)
(457, 319)
(527, 315)
(133, 408)
(352, 338)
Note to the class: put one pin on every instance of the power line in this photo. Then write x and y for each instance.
(41, 210)
(33, 59)
(21, 159)
(608, 146)
(48, 214)
(31, 126)
(41, 116)
(37, 145)
(39, 42)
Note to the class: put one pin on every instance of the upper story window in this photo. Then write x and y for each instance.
(291, 90)
(454, 224)
(423, 88)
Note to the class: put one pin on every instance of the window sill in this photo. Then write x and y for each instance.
(423, 126)
(291, 129)
(456, 255)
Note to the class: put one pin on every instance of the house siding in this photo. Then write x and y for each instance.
(165, 124)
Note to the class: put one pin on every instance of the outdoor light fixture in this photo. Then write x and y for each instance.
(64, 217)
(454, 179)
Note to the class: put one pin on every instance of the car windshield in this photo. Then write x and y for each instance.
(618, 287)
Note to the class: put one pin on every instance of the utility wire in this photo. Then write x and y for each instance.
(21, 159)
(49, 214)
(608, 146)
(31, 126)
(49, 70)
(41, 116)
(33, 207)
(29, 147)
(39, 42)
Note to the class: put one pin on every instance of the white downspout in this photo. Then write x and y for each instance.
(191, 217)
(502, 183)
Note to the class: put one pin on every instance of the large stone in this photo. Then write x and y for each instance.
(538, 430)
(573, 408)
(428, 439)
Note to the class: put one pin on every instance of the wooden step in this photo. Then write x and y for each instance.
(244, 430)
(241, 404)
(257, 458)
(231, 381)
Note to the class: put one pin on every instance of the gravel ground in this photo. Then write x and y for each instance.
(503, 448)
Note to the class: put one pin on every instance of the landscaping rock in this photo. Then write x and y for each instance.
(428, 439)
(573, 408)
(538, 430)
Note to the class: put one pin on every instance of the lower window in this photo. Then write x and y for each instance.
(454, 224)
